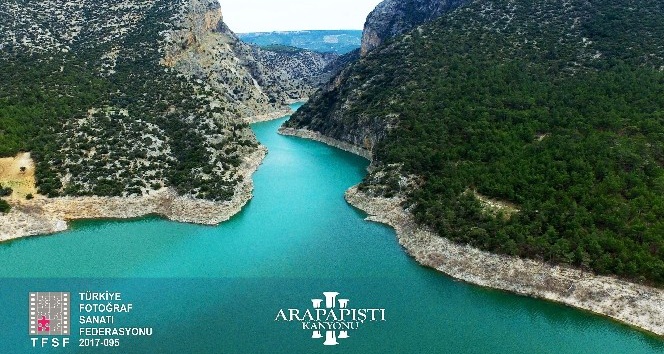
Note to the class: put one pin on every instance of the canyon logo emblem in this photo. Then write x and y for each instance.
(49, 314)
(332, 316)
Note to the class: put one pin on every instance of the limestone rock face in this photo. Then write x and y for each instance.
(253, 80)
(395, 17)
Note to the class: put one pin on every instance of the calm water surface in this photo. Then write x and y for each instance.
(218, 289)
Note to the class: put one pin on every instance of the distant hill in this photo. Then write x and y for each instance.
(340, 42)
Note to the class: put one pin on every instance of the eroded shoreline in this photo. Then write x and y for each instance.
(42, 216)
(316, 136)
(632, 304)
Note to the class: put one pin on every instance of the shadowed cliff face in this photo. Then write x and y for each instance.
(395, 17)
(329, 111)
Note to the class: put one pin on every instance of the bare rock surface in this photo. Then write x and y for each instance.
(392, 18)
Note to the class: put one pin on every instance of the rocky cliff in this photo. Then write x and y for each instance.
(146, 94)
(328, 111)
(395, 17)
(251, 81)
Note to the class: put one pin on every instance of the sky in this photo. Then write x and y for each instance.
(244, 16)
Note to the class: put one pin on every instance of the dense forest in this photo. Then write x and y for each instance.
(99, 113)
(555, 108)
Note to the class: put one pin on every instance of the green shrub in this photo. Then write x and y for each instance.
(4, 206)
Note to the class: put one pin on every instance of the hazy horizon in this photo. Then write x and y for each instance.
(303, 30)
(246, 16)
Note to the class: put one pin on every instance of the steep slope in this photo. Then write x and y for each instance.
(291, 75)
(100, 114)
(388, 20)
(252, 81)
(136, 99)
(98, 80)
(526, 129)
(395, 17)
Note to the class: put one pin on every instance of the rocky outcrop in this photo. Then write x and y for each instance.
(291, 75)
(395, 17)
(249, 80)
(268, 116)
(327, 112)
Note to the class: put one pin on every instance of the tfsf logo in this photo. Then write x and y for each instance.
(49, 314)
(336, 319)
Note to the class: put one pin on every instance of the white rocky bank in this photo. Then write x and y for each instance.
(49, 215)
(316, 136)
(634, 304)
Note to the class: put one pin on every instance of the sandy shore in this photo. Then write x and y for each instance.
(633, 304)
(49, 215)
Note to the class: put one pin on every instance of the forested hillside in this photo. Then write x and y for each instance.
(123, 97)
(84, 91)
(533, 129)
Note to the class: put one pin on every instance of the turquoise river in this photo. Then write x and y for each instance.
(219, 289)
